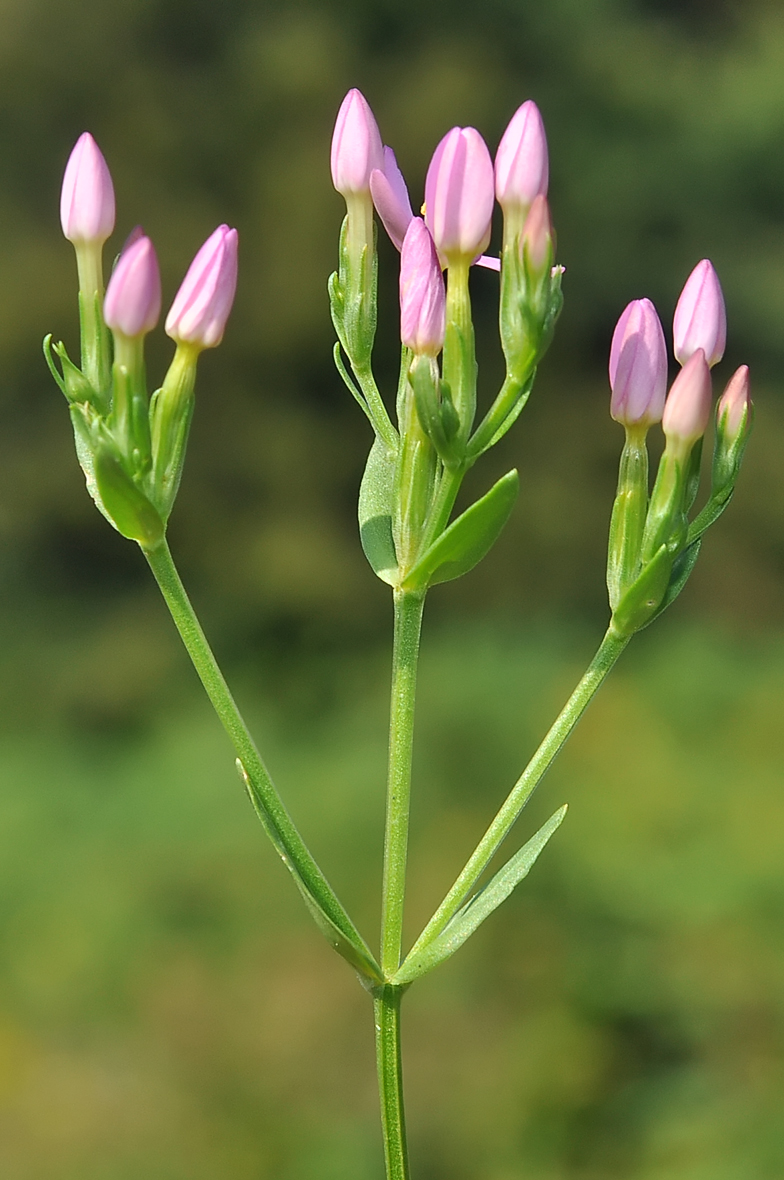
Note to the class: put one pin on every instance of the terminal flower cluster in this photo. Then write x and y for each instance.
(131, 446)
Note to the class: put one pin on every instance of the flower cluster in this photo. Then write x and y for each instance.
(434, 442)
(652, 544)
(132, 446)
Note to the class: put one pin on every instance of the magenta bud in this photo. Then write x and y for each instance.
(734, 404)
(459, 194)
(201, 306)
(537, 236)
(133, 296)
(356, 145)
(521, 163)
(87, 195)
(391, 199)
(700, 317)
(422, 295)
(638, 366)
(688, 406)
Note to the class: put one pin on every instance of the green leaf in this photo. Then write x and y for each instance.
(349, 942)
(375, 512)
(468, 538)
(129, 509)
(642, 600)
(681, 572)
(478, 907)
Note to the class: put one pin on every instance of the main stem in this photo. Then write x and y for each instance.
(408, 624)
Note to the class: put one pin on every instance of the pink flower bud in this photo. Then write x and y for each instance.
(459, 194)
(638, 366)
(133, 296)
(390, 197)
(521, 163)
(688, 406)
(87, 195)
(422, 295)
(203, 302)
(700, 317)
(538, 233)
(734, 404)
(356, 145)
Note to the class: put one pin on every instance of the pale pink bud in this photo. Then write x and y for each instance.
(459, 194)
(422, 295)
(133, 296)
(203, 302)
(356, 145)
(638, 366)
(390, 197)
(87, 195)
(688, 406)
(700, 317)
(538, 233)
(521, 163)
(734, 403)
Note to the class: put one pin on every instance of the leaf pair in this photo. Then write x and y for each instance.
(456, 551)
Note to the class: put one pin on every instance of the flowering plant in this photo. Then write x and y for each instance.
(131, 447)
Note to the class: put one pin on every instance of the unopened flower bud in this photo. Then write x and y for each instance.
(133, 296)
(356, 146)
(422, 295)
(521, 163)
(391, 199)
(537, 239)
(688, 405)
(87, 195)
(459, 193)
(201, 306)
(734, 404)
(638, 366)
(700, 316)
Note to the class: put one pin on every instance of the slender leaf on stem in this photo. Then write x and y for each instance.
(349, 944)
(467, 540)
(477, 908)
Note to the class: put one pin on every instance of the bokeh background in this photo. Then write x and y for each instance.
(166, 1009)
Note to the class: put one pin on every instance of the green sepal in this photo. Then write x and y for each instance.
(727, 456)
(436, 411)
(477, 908)
(459, 359)
(88, 428)
(645, 595)
(72, 382)
(691, 483)
(125, 503)
(349, 942)
(461, 546)
(627, 522)
(353, 299)
(376, 507)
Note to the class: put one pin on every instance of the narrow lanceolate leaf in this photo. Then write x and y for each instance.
(479, 907)
(468, 538)
(376, 494)
(345, 939)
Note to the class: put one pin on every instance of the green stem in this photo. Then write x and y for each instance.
(162, 566)
(408, 624)
(609, 650)
(386, 1010)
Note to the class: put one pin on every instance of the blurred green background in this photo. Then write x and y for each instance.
(166, 1009)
